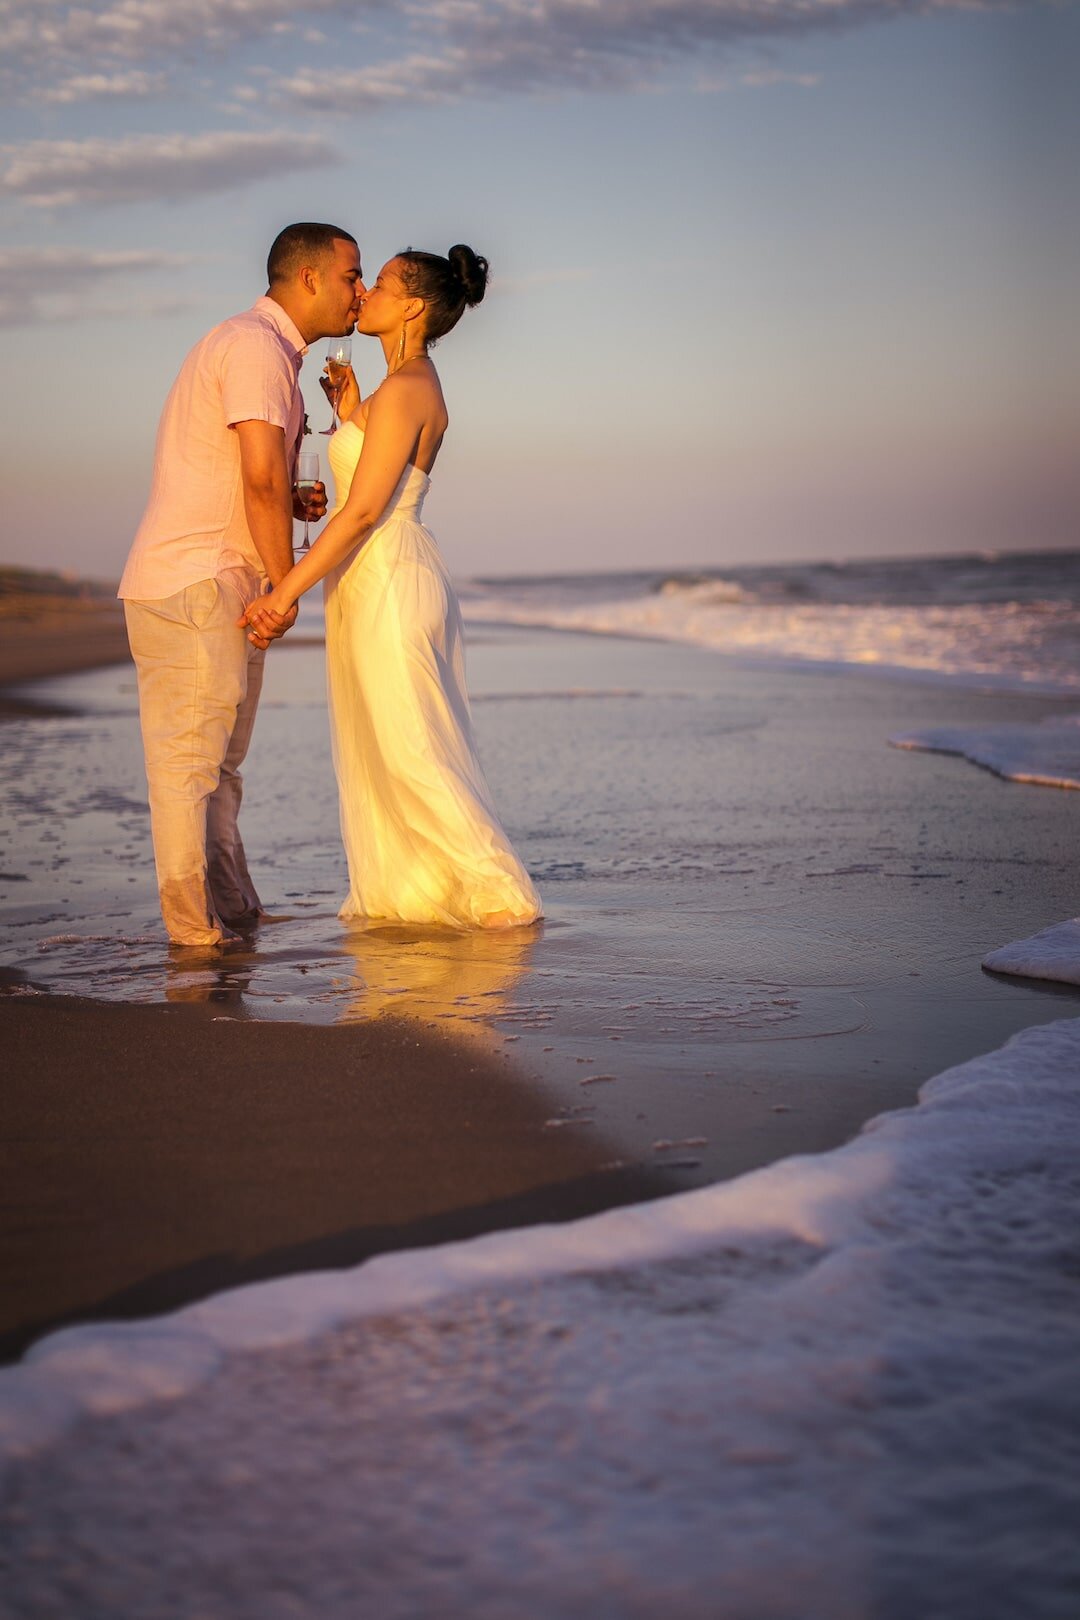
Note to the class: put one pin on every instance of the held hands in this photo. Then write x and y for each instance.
(309, 505)
(268, 618)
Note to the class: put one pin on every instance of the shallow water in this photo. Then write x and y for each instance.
(752, 901)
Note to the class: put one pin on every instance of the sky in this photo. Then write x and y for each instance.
(771, 279)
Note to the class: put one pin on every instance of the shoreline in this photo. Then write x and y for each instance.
(171, 1147)
(45, 636)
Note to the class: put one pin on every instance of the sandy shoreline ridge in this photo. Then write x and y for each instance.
(51, 624)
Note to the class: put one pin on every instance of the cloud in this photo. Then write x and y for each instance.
(134, 30)
(132, 86)
(44, 42)
(707, 84)
(416, 77)
(770, 76)
(144, 168)
(544, 46)
(53, 284)
(456, 48)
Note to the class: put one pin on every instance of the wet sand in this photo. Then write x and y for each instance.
(153, 1155)
(764, 927)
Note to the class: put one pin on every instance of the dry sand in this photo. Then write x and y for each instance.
(42, 635)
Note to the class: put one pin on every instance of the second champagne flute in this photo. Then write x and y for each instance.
(338, 355)
(307, 476)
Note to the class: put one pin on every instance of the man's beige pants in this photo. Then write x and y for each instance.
(199, 683)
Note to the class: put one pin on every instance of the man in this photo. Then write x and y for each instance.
(218, 525)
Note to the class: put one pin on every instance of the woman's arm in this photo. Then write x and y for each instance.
(395, 416)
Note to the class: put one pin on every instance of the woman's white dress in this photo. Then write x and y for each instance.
(423, 842)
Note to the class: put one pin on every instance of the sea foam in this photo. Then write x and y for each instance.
(1008, 645)
(842, 1384)
(1053, 953)
(1046, 754)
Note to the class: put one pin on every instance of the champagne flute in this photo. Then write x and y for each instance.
(338, 355)
(307, 476)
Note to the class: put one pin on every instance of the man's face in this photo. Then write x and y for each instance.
(340, 289)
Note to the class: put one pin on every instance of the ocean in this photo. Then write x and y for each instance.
(1011, 620)
(840, 1383)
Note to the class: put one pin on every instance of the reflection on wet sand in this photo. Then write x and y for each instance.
(456, 982)
(189, 978)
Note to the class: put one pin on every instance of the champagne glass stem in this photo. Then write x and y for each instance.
(335, 400)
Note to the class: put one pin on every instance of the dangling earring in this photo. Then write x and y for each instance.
(401, 346)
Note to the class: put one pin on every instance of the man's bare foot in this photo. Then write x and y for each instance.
(255, 919)
(228, 942)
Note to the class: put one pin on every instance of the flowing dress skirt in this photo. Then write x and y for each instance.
(423, 842)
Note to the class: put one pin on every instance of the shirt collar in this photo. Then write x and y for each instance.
(270, 310)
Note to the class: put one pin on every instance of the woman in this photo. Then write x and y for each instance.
(423, 842)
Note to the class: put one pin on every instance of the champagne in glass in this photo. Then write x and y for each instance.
(307, 476)
(338, 355)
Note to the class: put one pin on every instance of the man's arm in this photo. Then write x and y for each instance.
(268, 505)
(268, 500)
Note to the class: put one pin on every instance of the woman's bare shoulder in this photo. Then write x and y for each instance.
(410, 393)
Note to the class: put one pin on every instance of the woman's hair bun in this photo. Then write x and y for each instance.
(471, 270)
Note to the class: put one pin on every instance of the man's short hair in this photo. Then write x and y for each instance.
(298, 245)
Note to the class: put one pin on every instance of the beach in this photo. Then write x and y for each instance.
(764, 928)
(50, 632)
(707, 1248)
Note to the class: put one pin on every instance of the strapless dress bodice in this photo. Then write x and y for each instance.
(406, 502)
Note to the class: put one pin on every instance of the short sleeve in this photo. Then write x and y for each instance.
(258, 380)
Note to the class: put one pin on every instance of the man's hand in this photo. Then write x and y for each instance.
(309, 505)
(266, 627)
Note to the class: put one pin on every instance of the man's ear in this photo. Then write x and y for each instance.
(309, 279)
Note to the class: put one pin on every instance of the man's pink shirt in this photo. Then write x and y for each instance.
(194, 527)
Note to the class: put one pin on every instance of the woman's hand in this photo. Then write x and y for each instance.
(348, 400)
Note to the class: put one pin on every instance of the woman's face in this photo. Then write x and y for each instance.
(382, 305)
